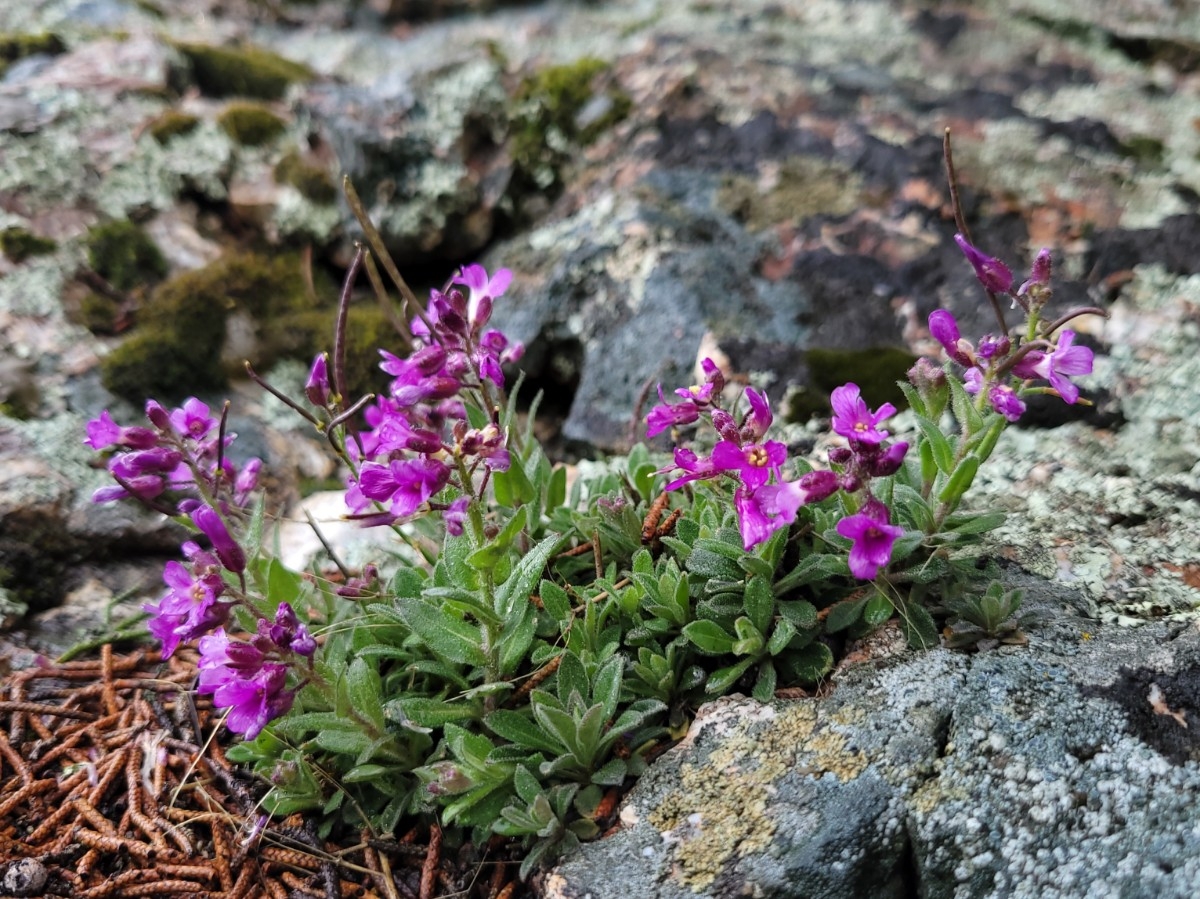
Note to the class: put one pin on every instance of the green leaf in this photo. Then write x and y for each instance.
(558, 725)
(918, 626)
(756, 566)
(749, 638)
(366, 773)
(760, 602)
(343, 742)
(812, 568)
(877, 610)
(518, 728)
(811, 663)
(973, 523)
(555, 600)
(939, 445)
(447, 637)
(709, 564)
(843, 614)
(800, 612)
(516, 638)
(571, 678)
(486, 557)
(606, 684)
(961, 480)
(512, 487)
(362, 680)
(611, 774)
(429, 713)
(781, 636)
(527, 573)
(764, 686)
(722, 679)
(709, 637)
(556, 488)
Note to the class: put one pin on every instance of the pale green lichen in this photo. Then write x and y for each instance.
(790, 192)
(722, 808)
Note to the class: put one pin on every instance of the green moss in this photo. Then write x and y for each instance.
(313, 181)
(250, 124)
(242, 71)
(545, 119)
(18, 244)
(99, 313)
(172, 123)
(875, 370)
(124, 255)
(303, 334)
(1144, 149)
(18, 46)
(178, 344)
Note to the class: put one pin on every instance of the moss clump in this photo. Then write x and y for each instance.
(250, 124)
(18, 244)
(303, 334)
(177, 348)
(242, 71)
(18, 46)
(312, 180)
(172, 123)
(99, 313)
(555, 111)
(124, 255)
(875, 370)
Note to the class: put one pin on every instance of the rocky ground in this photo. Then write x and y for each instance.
(752, 179)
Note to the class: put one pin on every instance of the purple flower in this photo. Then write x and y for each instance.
(316, 388)
(103, 433)
(765, 510)
(403, 483)
(889, 461)
(286, 634)
(853, 419)
(157, 460)
(696, 468)
(759, 419)
(1005, 401)
(256, 701)
(144, 487)
(702, 394)
(873, 537)
(944, 328)
(1065, 360)
(246, 481)
(755, 463)
(188, 609)
(455, 517)
(487, 444)
(1039, 274)
(993, 274)
(669, 415)
(483, 291)
(213, 527)
(973, 380)
(193, 419)
(223, 660)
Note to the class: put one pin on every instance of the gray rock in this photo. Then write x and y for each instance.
(1050, 770)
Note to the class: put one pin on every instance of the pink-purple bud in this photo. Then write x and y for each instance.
(158, 415)
(993, 274)
(316, 388)
(944, 328)
(226, 548)
(1039, 273)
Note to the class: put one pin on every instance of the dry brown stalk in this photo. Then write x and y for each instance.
(432, 857)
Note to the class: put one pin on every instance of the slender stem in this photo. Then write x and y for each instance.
(1074, 313)
(339, 333)
(960, 222)
(287, 401)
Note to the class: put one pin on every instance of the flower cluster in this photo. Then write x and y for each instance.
(996, 368)
(764, 501)
(173, 463)
(249, 677)
(418, 433)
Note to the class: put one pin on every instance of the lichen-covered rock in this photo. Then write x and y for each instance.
(1050, 770)
(424, 153)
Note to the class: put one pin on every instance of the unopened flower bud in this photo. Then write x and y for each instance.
(158, 415)
(226, 548)
(316, 388)
(889, 462)
(993, 274)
